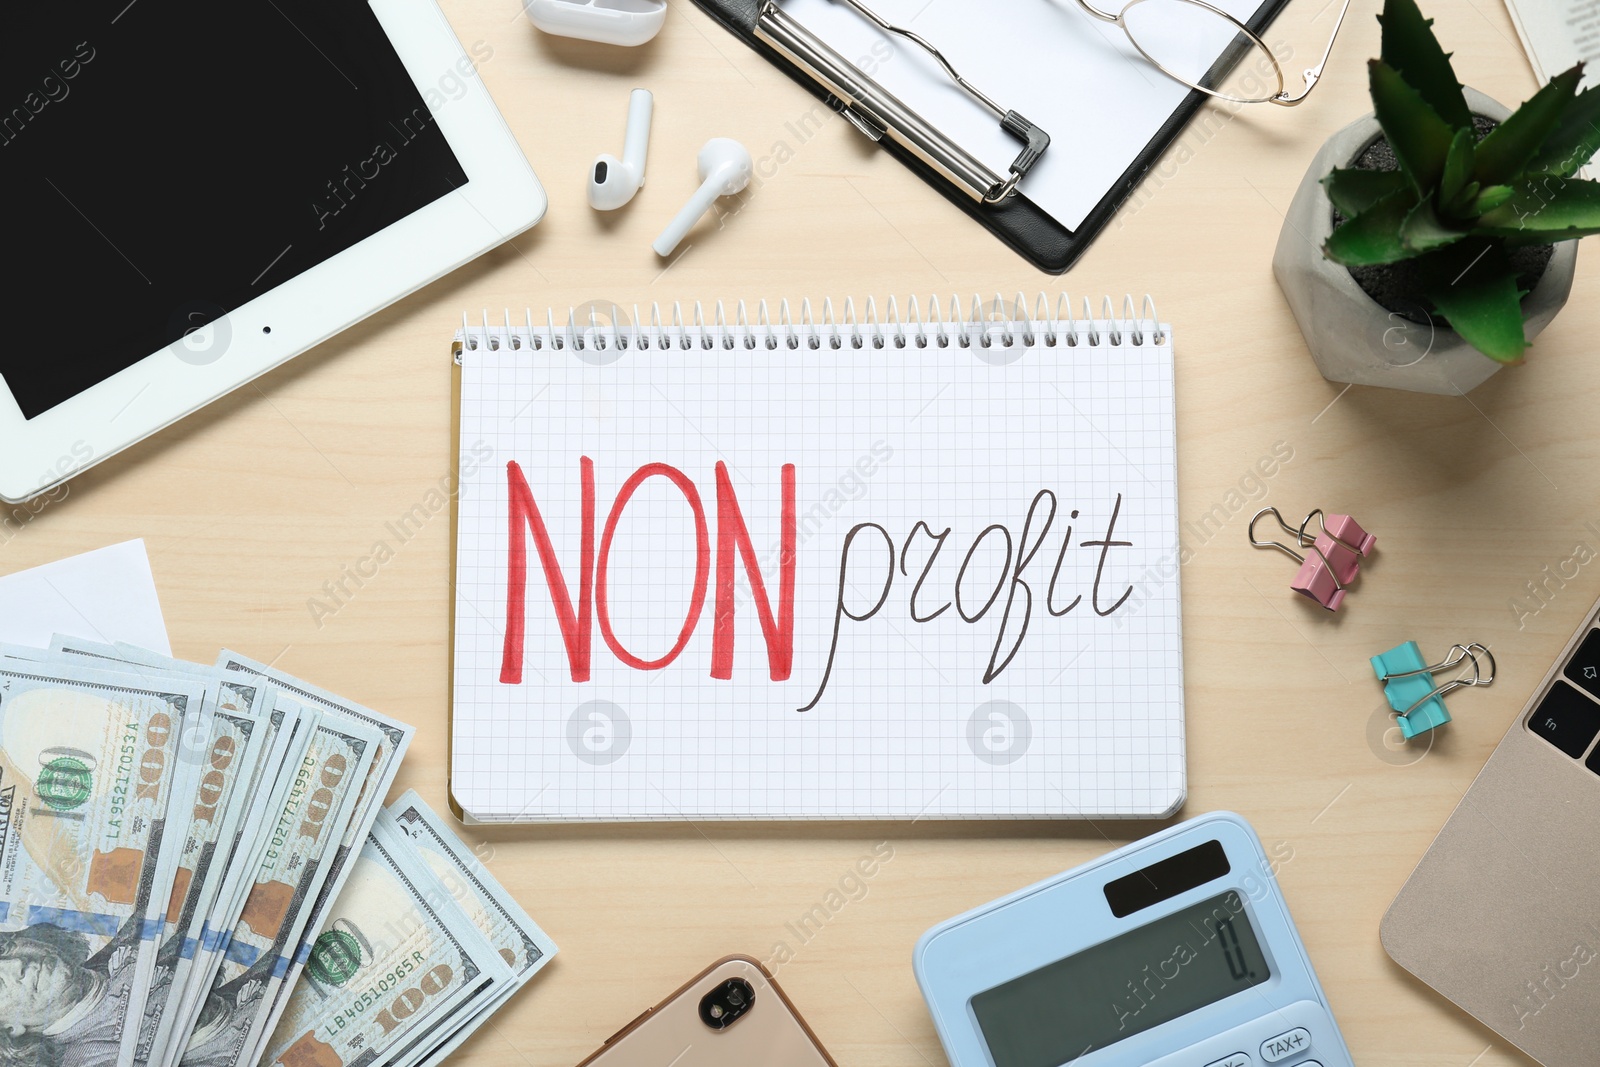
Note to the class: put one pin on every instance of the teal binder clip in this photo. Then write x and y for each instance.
(1408, 682)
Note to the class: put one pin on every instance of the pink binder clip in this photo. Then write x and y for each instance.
(1345, 530)
(1329, 560)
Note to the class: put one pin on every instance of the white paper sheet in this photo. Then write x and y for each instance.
(1559, 33)
(108, 595)
(1556, 34)
(1075, 76)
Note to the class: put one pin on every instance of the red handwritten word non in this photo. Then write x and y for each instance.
(576, 624)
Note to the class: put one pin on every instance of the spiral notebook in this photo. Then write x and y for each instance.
(750, 562)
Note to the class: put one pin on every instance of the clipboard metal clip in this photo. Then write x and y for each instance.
(878, 113)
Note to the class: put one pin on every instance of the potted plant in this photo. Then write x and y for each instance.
(1432, 240)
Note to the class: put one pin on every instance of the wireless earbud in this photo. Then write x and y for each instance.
(613, 181)
(725, 167)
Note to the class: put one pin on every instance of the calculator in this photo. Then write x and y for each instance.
(1175, 951)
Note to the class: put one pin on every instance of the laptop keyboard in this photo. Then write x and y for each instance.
(1583, 669)
(1567, 717)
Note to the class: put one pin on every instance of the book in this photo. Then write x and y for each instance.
(899, 566)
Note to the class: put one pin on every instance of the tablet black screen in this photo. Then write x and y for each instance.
(163, 162)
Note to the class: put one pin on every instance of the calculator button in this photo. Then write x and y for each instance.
(1290, 1043)
(1583, 669)
(1238, 1059)
(1567, 719)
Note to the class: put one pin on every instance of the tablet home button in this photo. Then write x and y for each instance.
(1286, 1044)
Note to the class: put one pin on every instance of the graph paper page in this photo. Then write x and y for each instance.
(980, 616)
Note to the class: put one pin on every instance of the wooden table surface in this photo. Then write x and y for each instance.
(249, 507)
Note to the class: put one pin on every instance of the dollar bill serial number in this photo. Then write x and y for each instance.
(396, 1009)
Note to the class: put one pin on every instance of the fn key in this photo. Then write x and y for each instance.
(1567, 719)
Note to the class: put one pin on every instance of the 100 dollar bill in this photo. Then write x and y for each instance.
(87, 762)
(484, 901)
(239, 713)
(395, 739)
(151, 982)
(302, 841)
(289, 730)
(391, 969)
(238, 736)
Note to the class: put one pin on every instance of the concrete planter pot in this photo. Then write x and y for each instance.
(1355, 339)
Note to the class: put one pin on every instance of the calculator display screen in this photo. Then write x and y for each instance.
(1138, 980)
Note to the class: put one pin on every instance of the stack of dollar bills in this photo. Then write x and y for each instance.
(196, 869)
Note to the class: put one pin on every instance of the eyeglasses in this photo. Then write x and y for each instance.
(1209, 50)
(1190, 41)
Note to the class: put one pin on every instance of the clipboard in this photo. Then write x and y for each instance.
(1015, 219)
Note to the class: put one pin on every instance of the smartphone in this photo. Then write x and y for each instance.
(732, 1014)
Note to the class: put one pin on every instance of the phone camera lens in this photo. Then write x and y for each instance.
(726, 1004)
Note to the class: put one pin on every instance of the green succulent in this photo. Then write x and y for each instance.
(1457, 203)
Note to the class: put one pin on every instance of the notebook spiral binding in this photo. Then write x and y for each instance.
(605, 325)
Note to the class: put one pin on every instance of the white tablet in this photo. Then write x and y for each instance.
(196, 192)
